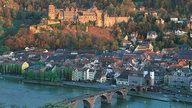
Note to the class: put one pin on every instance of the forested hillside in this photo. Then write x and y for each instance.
(177, 8)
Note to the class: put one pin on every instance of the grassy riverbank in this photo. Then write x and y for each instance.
(43, 82)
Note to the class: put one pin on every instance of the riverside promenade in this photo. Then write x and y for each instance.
(89, 85)
(101, 86)
(164, 97)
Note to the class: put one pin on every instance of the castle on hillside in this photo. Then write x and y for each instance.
(93, 14)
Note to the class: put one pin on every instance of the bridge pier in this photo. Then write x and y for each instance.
(120, 96)
(73, 105)
(143, 89)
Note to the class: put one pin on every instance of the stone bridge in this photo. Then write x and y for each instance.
(106, 96)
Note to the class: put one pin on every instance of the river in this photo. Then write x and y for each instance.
(14, 94)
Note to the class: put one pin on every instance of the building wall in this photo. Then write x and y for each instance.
(51, 22)
(135, 80)
(132, 80)
(92, 75)
(179, 80)
(110, 21)
(120, 81)
(191, 86)
(93, 14)
(86, 75)
(69, 14)
(77, 75)
(87, 16)
(99, 21)
(83, 75)
(152, 77)
(59, 14)
(152, 35)
(144, 47)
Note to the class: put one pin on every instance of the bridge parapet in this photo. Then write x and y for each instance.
(106, 96)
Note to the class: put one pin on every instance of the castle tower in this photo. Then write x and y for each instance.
(99, 20)
(67, 9)
(105, 19)
(73, 10)
(51, 12)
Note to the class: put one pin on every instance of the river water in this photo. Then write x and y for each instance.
(14, 94)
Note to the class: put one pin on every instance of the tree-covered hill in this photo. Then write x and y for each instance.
(176, 8)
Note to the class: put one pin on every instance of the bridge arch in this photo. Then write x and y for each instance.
(133, 89)
(148, 88)
(143, 89)
(120, 93)
(86, 104)
(100, 99)
(104, 99)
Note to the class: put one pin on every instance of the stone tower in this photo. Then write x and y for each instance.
(99, 20)
(52, 12)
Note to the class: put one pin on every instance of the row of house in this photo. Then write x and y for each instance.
(127, 68)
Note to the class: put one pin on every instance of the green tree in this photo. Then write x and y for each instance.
(52, 76)
(183, 39)
(54, 105)
(30, 75)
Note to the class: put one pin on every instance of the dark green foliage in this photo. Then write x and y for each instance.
(54, 105)
(29, 17)
(183, 7)
(4, 48)
(39, 63)
(30, 75)
(14, 69)
(56, 74)
(52, 76)
(1, 27)
(65, 73)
